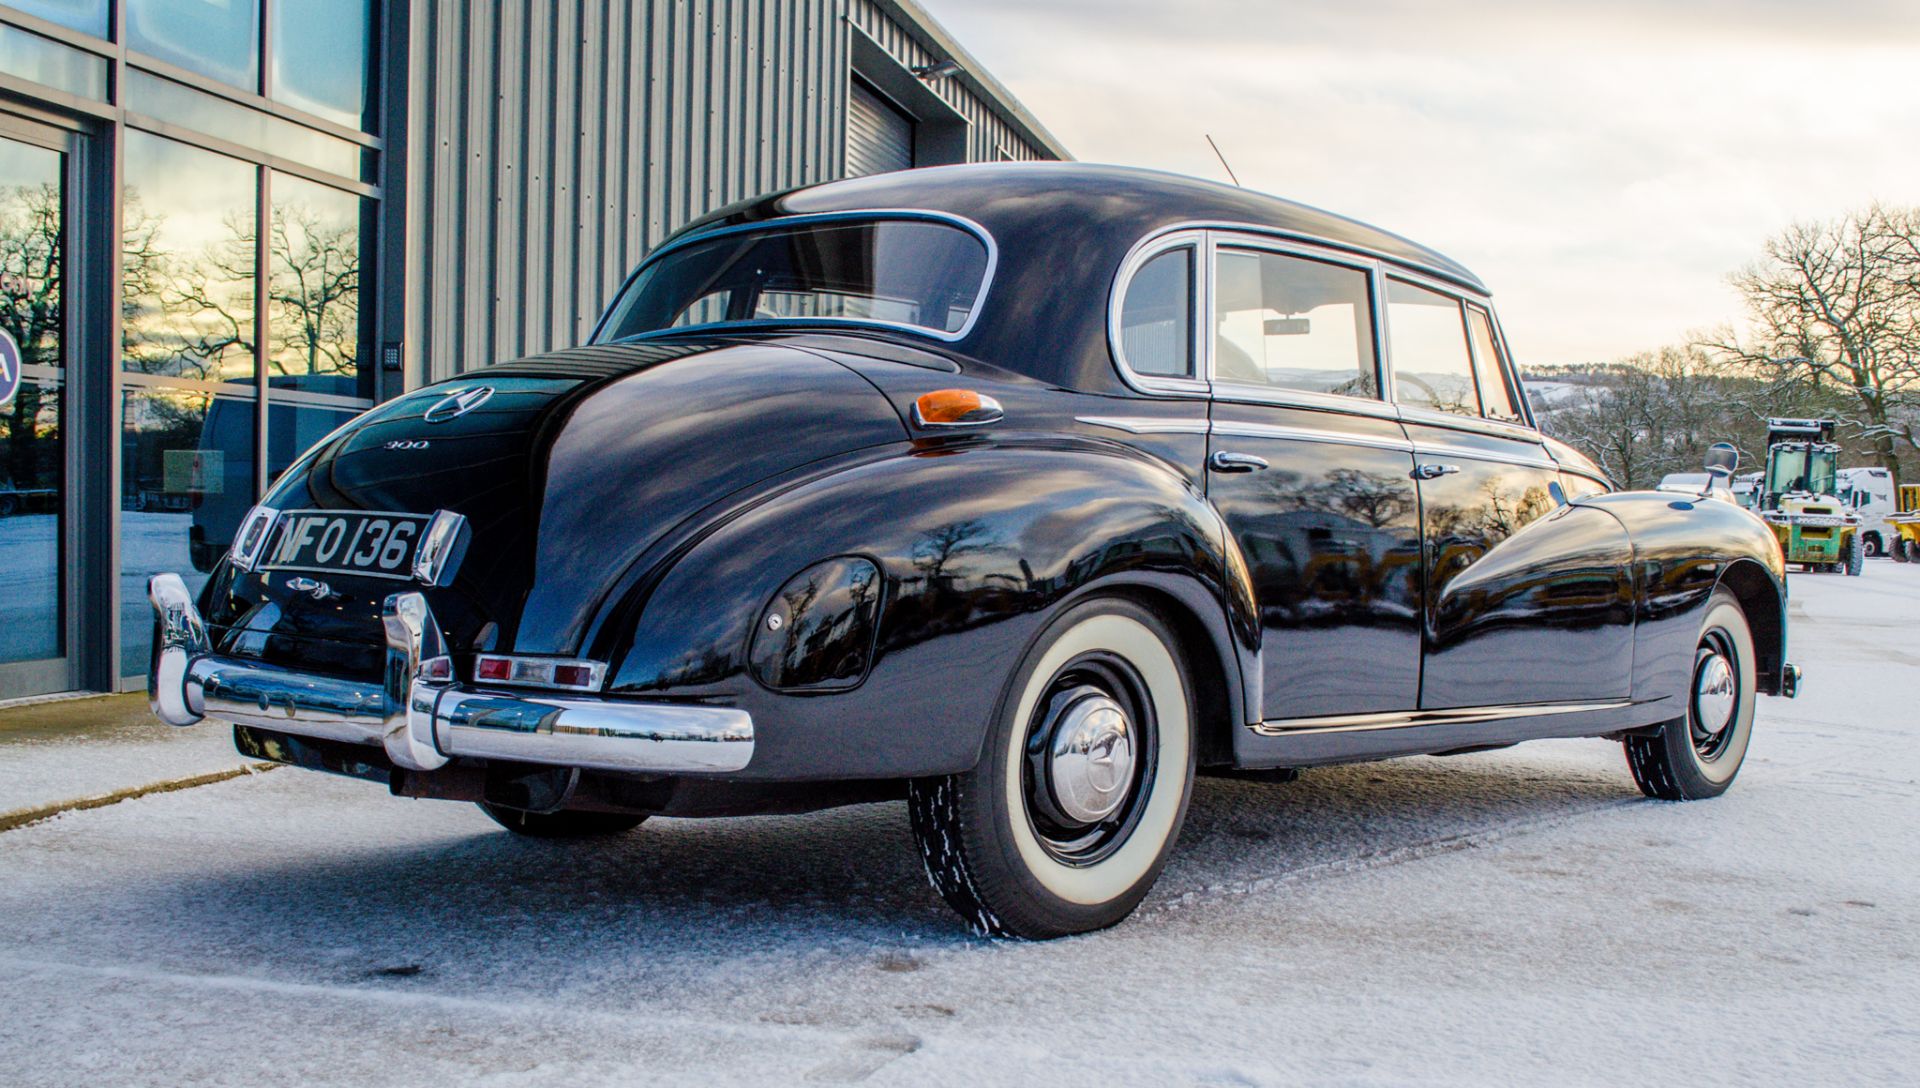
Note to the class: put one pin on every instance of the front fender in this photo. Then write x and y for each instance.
(1683, 549)
(977, 543)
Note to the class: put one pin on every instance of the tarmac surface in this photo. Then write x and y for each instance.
(1512, 917)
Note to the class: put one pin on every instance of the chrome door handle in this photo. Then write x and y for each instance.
(1431, 471)
(1223, 461)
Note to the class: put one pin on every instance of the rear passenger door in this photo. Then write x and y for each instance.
(1310, 468)
(1525, 599)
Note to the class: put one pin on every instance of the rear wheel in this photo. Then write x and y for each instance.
(1698, 756)
(565, 824)
(1902, 549)
(1069, 816)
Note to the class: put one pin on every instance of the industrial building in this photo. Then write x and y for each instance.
(226, 226)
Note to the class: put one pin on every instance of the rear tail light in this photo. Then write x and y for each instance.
(571, 674)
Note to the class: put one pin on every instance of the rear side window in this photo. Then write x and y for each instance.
(1432, 368)
(1289, 322)
(1156, 317)
(1495, 393)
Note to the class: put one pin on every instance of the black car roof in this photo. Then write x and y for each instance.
(1063, 230)
(1128, 199)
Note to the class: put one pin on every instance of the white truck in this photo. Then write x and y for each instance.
(1868, 492)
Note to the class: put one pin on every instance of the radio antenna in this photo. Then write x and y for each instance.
(1222, 158)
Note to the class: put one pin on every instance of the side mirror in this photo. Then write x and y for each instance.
(1722, 459)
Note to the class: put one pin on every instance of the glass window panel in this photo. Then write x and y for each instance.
(928, 275)
(43, 60)
(186, 481)
(313, 290)
(1494, 392)
(320, 57)
(1156, 317)
(86, 16)
(1431, 367)
(32, 221)
(182, 105)
(293, 429)
(31, 467)
(219, 39)
(187, 262)
(1293, 323)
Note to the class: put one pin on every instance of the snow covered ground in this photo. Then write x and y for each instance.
(1515, 917)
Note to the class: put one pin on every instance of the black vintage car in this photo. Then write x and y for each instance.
(1021, 492)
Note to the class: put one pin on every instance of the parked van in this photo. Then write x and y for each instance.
(1868, 492)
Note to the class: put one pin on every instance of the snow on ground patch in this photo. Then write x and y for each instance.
(1513, 917)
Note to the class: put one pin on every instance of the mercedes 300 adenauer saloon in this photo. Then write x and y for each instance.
(1019, 492)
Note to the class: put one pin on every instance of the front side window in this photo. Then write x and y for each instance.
(1156, 317)
(921, 274)
(1292, 323)
(1494, 392)
(1431, 366)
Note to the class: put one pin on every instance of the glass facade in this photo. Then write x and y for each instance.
(320, 57)
(32, 453)
(219, 39)
(244, 206)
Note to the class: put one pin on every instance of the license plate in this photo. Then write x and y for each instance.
(346, 542)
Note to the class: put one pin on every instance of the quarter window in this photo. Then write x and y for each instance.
(1494, 391)
(1290, 322)
(1156, 317)
(1431, 366)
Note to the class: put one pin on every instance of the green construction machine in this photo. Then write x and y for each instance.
(1799, 499)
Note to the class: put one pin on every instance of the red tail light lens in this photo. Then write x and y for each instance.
(492, 668)
(539, 672)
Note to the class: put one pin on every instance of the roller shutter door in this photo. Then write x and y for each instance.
(879, 137)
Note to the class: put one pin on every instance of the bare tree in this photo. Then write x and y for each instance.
(1836, 306)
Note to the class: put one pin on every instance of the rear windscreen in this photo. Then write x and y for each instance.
(921, 274)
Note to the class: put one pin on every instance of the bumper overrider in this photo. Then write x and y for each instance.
(418, 714)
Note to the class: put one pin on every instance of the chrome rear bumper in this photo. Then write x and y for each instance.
(420, 720)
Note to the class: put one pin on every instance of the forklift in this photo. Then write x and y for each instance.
(1800, 500)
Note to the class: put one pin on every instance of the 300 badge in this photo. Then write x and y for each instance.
(330, 541)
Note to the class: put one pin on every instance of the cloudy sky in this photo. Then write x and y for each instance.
(1603, 166)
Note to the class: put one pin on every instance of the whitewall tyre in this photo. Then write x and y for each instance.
(1698, 756)
(1067, 820)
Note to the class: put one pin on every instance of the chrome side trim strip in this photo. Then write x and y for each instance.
(1473, 453)
(1353, 723)
(1146, 424)
(1304, 434)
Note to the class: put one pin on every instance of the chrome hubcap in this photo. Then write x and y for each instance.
(1090, 758)
(1714, 693)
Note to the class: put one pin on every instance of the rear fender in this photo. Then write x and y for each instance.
(977, 544)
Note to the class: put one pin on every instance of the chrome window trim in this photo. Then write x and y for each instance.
(1367, 253)
(1492, 428)
(783, 222)
(1466, 341)
(1512, 367)
(1500, 368)
(1146, 249)
(1310, 434)
(1248, 393)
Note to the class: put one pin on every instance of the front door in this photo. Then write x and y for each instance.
(33, 381)
(1314, 477)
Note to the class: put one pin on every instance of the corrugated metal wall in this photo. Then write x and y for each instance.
(552, 142)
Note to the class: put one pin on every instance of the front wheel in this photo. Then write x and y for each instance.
(1069, 816)
(564, 824)
(1697, 756)
(1902, 549)
(1875, 549)
(1856, 556)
